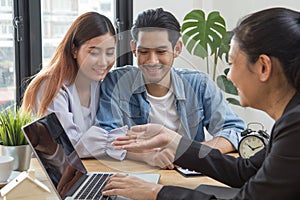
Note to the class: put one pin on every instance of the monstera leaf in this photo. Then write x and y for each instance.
(201, 35)
(225, 46)
(207, 38)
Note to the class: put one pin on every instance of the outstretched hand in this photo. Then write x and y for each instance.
(146, 137)
(154, 141)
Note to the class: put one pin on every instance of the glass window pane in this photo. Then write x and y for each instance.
(57, 16)
(7, 56)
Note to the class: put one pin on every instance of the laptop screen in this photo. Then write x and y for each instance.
(55, 151)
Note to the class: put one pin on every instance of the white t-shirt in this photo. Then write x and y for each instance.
(163, 111)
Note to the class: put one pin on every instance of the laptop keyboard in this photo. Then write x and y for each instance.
(93, 187)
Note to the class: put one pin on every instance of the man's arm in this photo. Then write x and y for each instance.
(220, 120)
(109, 115)
(220, 143)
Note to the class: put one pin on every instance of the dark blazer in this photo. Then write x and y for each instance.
(273, 173)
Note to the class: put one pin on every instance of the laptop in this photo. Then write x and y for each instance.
(63, 166)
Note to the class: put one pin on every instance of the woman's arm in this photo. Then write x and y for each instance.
(211, 162)
(191, 154)
(94, 141)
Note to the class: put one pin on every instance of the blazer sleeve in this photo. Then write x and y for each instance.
(174, 192)
(211, 162)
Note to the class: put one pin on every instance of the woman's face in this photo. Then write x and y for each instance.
(244, 80)
(96, 57)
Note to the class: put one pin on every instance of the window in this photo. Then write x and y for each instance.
(106, 7)
(57, 16)
(7, 61)
(6, 4)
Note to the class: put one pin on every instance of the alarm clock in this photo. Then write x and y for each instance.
(252, 142)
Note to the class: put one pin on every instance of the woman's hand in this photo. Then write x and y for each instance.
(146, 137)
(162, 158)
(158, 157)
(130, 187)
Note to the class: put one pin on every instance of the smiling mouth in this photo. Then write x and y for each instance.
(152, 68)
(100, 71)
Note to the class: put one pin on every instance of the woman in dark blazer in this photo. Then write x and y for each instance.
(265, 67)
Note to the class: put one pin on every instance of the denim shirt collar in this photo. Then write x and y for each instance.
(138, 85)
(178, 86)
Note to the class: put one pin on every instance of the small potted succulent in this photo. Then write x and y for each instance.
(12, 139)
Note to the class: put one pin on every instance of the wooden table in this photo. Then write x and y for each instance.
(168, 177)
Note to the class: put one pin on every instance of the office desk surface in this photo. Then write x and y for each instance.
(168, 177)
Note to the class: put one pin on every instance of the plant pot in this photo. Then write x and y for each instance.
(21, 154)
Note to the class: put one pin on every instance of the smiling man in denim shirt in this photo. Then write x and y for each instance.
(183, 100)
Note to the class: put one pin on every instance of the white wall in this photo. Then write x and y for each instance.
(232, 11)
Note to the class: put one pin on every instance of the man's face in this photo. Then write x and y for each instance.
(155, 56)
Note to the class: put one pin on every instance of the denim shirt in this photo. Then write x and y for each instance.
(199, 104)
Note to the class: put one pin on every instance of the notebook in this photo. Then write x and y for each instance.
(63, 166)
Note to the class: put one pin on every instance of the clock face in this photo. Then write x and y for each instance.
(250, 145)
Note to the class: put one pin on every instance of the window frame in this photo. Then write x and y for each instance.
(124, 21)
(28, 39)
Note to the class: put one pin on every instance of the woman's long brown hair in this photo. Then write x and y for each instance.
(62, 67)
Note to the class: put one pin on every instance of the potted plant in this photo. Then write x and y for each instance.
(12, 139)
(208, 38)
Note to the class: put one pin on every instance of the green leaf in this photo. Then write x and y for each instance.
(226, 85)
(11, 123)
(233, 101)
(225, 46)
(202, 37)
(200, 51)
(196, 14)
(226, 71)
(208, 37)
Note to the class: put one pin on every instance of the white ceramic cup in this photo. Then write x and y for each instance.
(6, 167)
